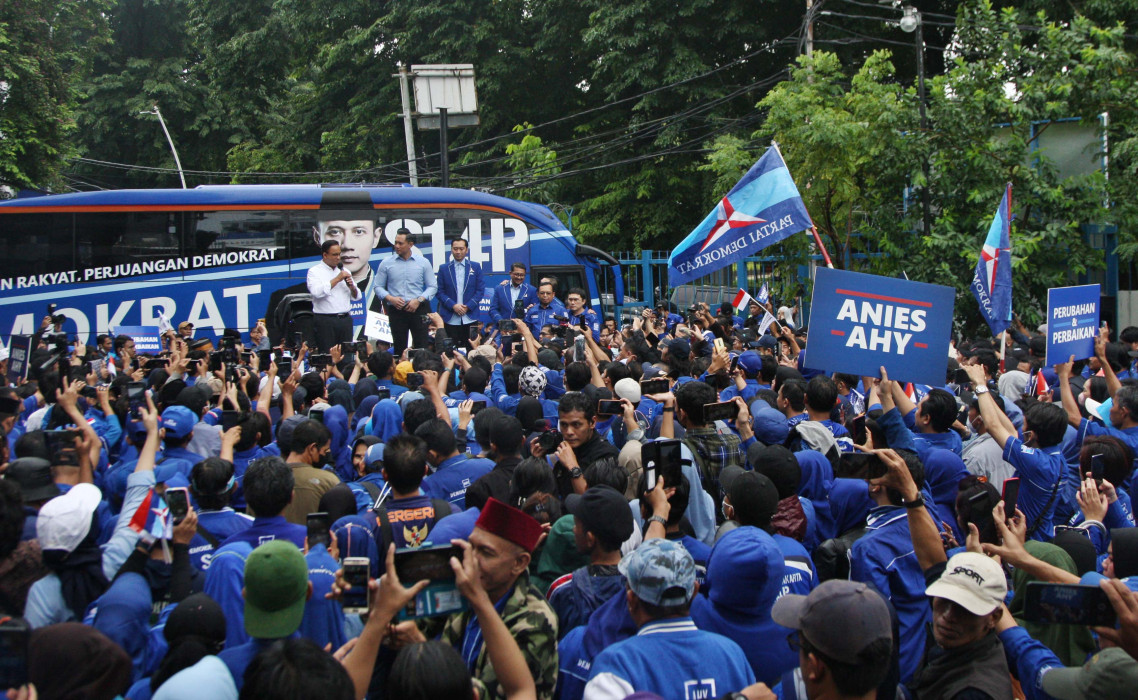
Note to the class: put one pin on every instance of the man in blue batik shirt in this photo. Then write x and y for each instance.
(1037, 457)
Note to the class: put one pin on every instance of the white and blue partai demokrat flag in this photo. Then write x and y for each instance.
(764, 294)
(764, 207)
(992, 283)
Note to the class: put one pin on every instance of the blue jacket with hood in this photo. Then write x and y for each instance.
(839, 504)
(576, 595)
(609, 624)
(744, 577)
(123, 614)
(323, 620)
(336, 421)
(223, 582)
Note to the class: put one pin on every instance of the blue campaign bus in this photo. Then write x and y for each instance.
(224, 256)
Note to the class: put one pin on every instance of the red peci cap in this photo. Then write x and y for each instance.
(511, 524)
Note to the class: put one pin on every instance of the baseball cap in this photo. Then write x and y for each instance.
(532, 381)
(65, 520)
(768, 341)
(973, 581)
(276, 589)
(768, 423)
(660, 572)
(185, 326)
(1111, 673)
(752, 495)
(750, 362)
(33, 476)
(374, 455)
(628, 388)
(603, 511)
(679, 346)
(178, 421)
(863, 614)
(201, 344)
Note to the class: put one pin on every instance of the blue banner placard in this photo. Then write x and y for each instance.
(145, 337)
(1072, 322)
(860, 323)
(19, 350)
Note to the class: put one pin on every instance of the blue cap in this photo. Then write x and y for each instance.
(769, 424)
(679, 347)
(178, 421)
(374, 455)
(750, 362)
(768, 341)
(660, 572)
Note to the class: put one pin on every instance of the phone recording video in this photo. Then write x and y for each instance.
(229, 419)
(608, 407)
(477, 406)
(724, 410)
(441, 597)
(136, 398)
(1011, 496)
(14, 635)
(662, 459)
(61, 447)
(653, 386)
(178, 500)
(414, 381)
(1068, 604)
(356, 571)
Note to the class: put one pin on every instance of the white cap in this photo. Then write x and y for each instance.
(65, 520)
(276, 385)
(628, 388)
(972, 581)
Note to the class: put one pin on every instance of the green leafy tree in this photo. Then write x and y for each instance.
(45, 54)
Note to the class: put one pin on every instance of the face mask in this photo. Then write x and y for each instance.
(157, 575)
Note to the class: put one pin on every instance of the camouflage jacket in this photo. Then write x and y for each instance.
(533, 625)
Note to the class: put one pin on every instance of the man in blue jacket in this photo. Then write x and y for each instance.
(547, 310)
(885, 559)
(507, 294)
(454, 471)
(602, 522)
(460, 292)
(668, 656)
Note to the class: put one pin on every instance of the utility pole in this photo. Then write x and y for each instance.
(809, 28)
(408, 134)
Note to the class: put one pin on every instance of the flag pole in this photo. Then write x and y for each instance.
(813, 228)
(1003, 348)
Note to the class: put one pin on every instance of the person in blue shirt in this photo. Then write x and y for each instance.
(212, 483)
(408, 515)
(454, 471)
(406, 283)
(885, 559)
(268, 490)
(178, 429)
(1037, 457)
(276, 590)
(369, 484)
(931, 420)
(601, 524)
(509, 292)
(751, 499)
(669, 655)
(460, 292)
(821, 398)
(581, 315)
(382, 364)
(546, 311)
(744, 578)
(746, 379)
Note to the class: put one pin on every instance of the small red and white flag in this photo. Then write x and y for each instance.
(1039, 385)
(741, 301)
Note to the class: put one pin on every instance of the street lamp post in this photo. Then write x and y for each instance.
(911, 22)
(177, 160)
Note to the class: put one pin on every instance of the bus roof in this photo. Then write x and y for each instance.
(207, 196)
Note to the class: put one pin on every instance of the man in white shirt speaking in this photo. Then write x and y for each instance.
(333, 290)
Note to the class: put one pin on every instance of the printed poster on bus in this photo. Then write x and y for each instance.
(860, 323)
